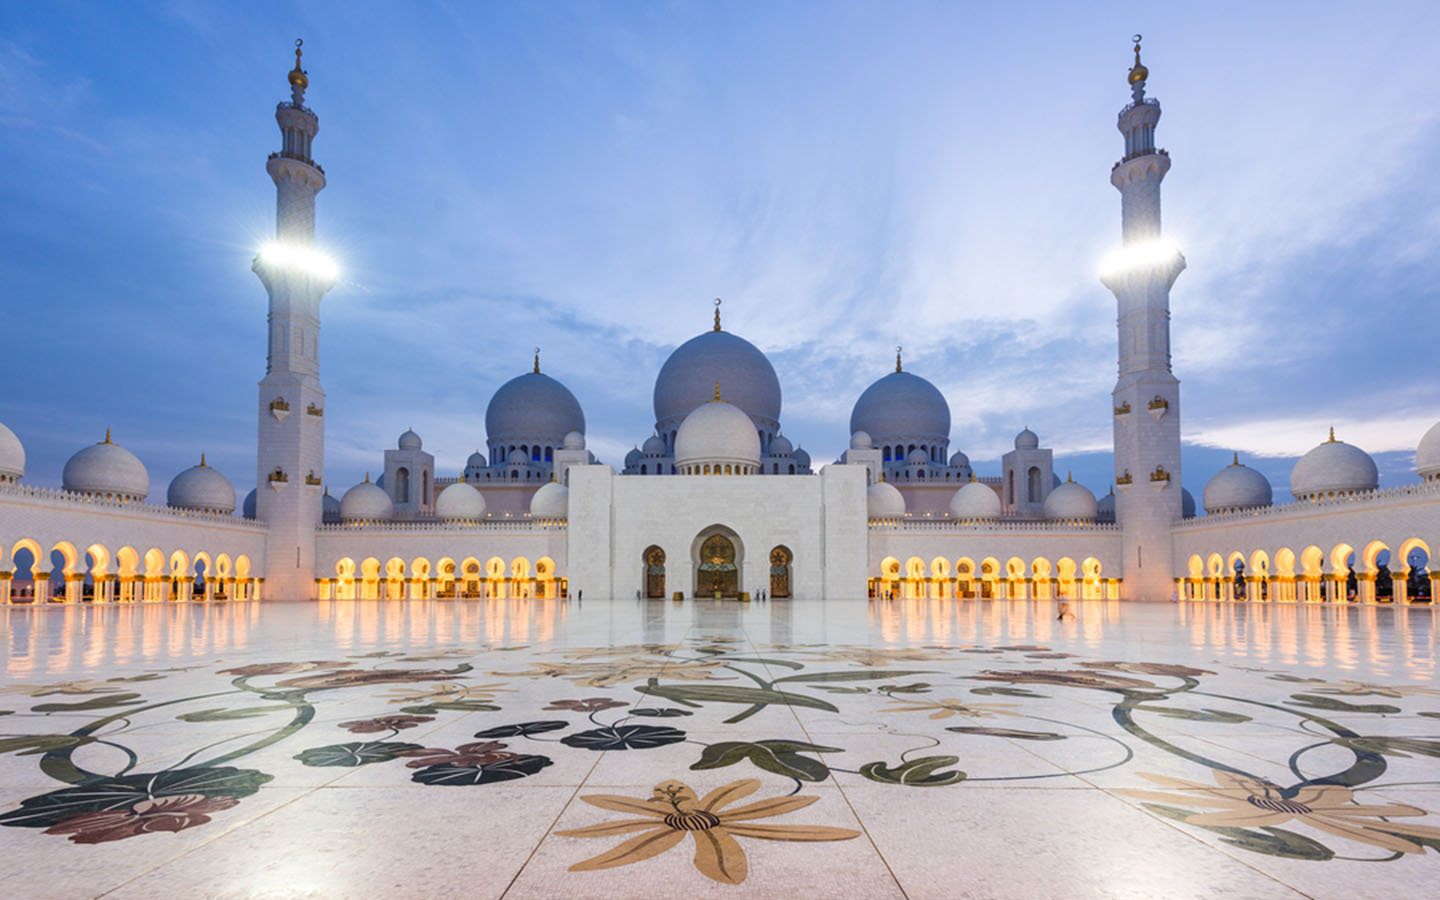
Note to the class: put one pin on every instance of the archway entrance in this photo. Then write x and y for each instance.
(654, 572)
(717, 572)
(780, 572)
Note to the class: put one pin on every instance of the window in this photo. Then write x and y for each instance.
(1032, 485)
(402, 485)
(549, 454)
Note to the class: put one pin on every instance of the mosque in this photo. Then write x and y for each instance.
(718, 500)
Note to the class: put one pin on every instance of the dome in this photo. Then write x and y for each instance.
(718, 432)
(632, 459)
(366, 502)
(573, 440)
(409, 440)
(517, 457)
(247, 509)
(552, 501)
(1105, 507)
(532, 406)
(203, 488)
(653, 446)
(1427, 455)
(1333, 467)
(1071, 501)
(1027, 440)
(883, 501)
(901, 405)
(918, 457)
(781, 446)
(329, 507)
(106, 470)
(1237, 486)
(1187, 504)
(460, 502)
(687, 380)
(476, 460)
(12, 455)
(959, 460)
(860, 440)
(975, 501)
(802, 458)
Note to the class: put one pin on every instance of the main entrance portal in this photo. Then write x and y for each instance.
(717, 572)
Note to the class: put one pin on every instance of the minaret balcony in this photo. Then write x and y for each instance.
(310, 162)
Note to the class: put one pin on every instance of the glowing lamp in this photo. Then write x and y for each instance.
(305, 259)
(1135, 256)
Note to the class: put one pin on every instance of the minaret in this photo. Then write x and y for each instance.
(291, 447)
(1147, 394)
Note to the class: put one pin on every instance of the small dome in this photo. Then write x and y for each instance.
(1105, 508)
(1332, 468)
(860, 440)
(1237, 486)
(902, 406)
(12, 455)
(781, 446)
(654, 446)
(476, 460)
(552, 501)
(632, 459)
(460, 502)
(409, 440)
(366, 502)
(1071, 501)
(247, 509)
(918, 457)
(203, 488)
(1427, 455)
(517, 457)
(883, 501)
(688, 377)
(959, 460)
(975, 501)
(1027, 440)
(802, 458)
(329, 507)
(106, 470)
(574, 440)
(718, 432)
(530, 407)
(1187, 504)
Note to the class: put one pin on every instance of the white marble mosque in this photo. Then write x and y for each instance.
(719, 498)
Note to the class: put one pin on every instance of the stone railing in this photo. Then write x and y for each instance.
(1380, 497)
(955, 526)
(518, 524)
(63, 499)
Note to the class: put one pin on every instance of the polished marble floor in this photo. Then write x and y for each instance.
(544, 748)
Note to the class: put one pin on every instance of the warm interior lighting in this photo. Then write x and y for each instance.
(1134, 256)
(304, 258)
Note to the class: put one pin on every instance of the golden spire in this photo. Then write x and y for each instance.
(1138, 72)
(717, 319)
(1236, 460)
(202, 461)
(897, 359)
(1332, 435)
(297, 74)
(717, 391)
(1068, 479)
(537, 360)
(367, 477)
(107, 435)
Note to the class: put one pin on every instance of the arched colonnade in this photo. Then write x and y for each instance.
(73, 572)
(990, 578)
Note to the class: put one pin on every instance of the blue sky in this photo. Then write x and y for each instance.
(586, 177)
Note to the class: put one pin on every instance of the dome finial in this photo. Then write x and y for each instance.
(897, 359)
(107, 434)
(717, 391)
(537, 360)
(367, 477)
(202, 460)
(1332, 435)
(298, 80)
(1236, 460)
(717, 316)
(1068, 479)
(1138, 73)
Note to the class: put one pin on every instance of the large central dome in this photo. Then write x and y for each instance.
(687, 380)
(533, 406)
(901, 406)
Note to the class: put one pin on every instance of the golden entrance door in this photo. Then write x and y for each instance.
(717, 573)
(780, 572)
(654, 572)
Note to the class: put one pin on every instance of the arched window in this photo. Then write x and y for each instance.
(425, 488)
(642, 469)
(792, 468)
(1010, 487)
(402, 485)
(514, 474)
(1032, 485)
(774, 468)
(887, 452)
(549, 454)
